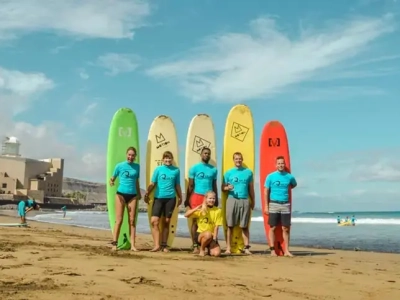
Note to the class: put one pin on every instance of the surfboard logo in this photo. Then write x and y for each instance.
(274, 142)
(125, 132)
(161, 141)
(239, 131)
(199, 143)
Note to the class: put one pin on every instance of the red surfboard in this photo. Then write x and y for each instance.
(273, 143)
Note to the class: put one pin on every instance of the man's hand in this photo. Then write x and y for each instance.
(252, 205)
(266, 210)
(229, 187)
(187, 202)
(111, 182)
(179, 201)
(146, 198)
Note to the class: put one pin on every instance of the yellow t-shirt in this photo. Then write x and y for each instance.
(209, 221)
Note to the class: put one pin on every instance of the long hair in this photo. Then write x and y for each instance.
(204, 206)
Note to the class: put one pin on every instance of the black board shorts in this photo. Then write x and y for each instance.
(163, 207)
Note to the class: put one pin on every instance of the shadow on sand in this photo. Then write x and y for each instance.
(262, 252)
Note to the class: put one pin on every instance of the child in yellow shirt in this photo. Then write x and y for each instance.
(209, 218)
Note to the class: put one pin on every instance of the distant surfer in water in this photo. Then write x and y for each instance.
(26, 206)
(277, 206)
(353, 220)
(64, 209)
(239, 184)
(166, 180)
(339, 219)
(128, 194)
(209, 219)
(202, 178)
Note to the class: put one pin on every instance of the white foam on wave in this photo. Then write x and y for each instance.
(82, 212)
(366, 221)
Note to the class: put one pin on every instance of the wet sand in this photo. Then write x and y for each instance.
(47, 261)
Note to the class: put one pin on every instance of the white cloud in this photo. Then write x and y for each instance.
(23, 84)
(81, 18)
(234, 67)
(380, 171)
(20, 90)
(113, 19)
(88, 114)
(83, 74)
(374, 165)
(17, 87)
(116, 63)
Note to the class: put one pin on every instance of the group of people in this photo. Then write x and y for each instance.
(347, 220)
(202, 201)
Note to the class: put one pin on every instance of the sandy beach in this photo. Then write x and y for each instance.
(47, 261)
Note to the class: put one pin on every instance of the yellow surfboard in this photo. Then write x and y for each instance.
(200, 134)
(239, 137)
(162, 137)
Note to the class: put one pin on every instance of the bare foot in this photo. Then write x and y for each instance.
(228, 251)
(166, 250)
(247, 251)
(288, 254)
(114, 246)
(273, 253)
(202, 253)
(134, 249)
(196, 250)
(155, 249)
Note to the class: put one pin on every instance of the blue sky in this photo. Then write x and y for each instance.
(328, 72)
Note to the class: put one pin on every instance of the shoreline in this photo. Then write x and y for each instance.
(258, 245)
(50, 260)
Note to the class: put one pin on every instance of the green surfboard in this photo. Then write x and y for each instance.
(123, 134)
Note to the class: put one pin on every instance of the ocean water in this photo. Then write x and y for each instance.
(374, 231)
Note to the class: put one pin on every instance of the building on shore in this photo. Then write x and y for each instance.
(25, 177)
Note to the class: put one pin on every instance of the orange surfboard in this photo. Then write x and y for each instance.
(273, 143)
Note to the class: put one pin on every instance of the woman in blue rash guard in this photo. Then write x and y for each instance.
(128, 195)
(25, 206)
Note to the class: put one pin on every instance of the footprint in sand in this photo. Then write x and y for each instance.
(141, 280)
(6, 256)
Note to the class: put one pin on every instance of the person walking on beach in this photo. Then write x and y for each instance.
(127, 196)
(64, 209)
(239, 184)
(202, 178)
(209, 219)
(277, 206)
(25, 206)
(166, 180)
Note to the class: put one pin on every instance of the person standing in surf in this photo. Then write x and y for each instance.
(25, 206)
(209, 219)
(239, 184)
(277, 205)
(166, 180)
(64, 209)
(202, 178)
(127, 196)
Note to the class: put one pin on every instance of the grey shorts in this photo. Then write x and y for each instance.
(279, 214)
(237, 212)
